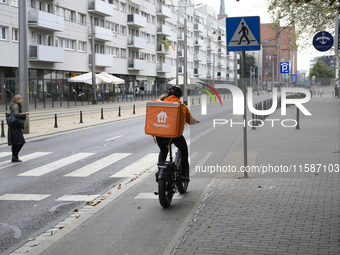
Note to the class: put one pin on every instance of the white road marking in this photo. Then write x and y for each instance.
(77, 198)
(23, 197)
(153, 196)
(98, 165)
(4, 154)
(113, 138)
(56, 165)
(137, 167)
(24, 159)
(198, 158)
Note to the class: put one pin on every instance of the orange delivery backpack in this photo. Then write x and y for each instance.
(163, 119)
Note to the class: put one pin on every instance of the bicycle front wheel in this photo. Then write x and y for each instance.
(164, 192)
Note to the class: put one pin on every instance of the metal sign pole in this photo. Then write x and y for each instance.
(245, 149)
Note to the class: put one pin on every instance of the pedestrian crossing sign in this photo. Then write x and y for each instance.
(243, 33)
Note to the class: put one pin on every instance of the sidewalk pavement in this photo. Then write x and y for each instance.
(292, 212)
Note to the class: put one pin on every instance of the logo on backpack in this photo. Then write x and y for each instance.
(162, 117)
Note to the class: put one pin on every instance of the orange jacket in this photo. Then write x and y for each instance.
(187, 117)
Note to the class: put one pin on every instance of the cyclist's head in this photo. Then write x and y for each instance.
(175, 90)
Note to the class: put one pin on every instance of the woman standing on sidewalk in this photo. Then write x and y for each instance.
(15, 137)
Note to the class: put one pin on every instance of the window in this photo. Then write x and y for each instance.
(112, 26)
(69, 44)
(112, 51)
(99, 48)
(122, 7)
(58, 42)
(115, 4)
(123, 30)
(3, 35)
(153, 58)
(3, 1)
(15, 3)
(70, 15)
(59, 11)
(33, 35)
(123, 53)
(82, 46)
(82, 19)
(153, 39)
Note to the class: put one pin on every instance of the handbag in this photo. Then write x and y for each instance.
(13, 121)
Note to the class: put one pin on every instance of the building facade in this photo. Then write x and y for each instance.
(140, 41)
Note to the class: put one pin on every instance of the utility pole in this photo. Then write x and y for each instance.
(93, 57)
(185, 95)
(23, 62)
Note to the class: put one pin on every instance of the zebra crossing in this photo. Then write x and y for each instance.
(132, 170)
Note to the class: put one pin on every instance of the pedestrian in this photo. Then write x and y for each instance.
(15, 137)
(336, 90)
(137, 91)
(141, 91)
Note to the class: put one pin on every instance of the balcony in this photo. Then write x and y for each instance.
(160, 49)
(211, 47)
(221, 51)
(136, 42)
(163, 30)
(199, 43)
(100, 7)
(163, 11)
(210, 59)
(46, 53)
(181, 69)
(198, 71)
(221, 39)
(136, 20)
(181, 54)
(136, 64)
(198, 57)
(102, 60)
(221, 63)
(180, 20)
(163, 68)
(221, 75)
(45, 20)
(180, 36)
(101, 34)
(198, 28)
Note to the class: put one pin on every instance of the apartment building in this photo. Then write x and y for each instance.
(136, 40)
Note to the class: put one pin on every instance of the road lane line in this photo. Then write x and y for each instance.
(24, 197)
(97, 165)
(4, 154)
(198, 158)
(78, 198)
(56, 165)
(139, 166)
(28, 157)
(113, 138)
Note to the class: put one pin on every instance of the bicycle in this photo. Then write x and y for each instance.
(168, 179)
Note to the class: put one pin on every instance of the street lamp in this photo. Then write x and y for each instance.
(185, 76)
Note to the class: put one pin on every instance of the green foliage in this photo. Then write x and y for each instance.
(321, 70)
(308, 17)
(250, 61)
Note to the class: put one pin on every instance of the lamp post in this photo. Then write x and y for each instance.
(185, 76)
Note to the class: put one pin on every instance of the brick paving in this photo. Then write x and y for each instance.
(276, 213)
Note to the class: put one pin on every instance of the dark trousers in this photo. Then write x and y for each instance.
(15, 150)
(181, 144)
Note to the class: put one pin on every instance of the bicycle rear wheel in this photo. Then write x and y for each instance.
(164, 192)
(181, 186)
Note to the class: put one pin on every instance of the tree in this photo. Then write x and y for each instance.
(321, 70)
(307, 16)
(250, 61)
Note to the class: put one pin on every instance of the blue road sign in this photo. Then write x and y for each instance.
(323, 41)
(284, 67)
(294, 78)
(243, 33)
(306, 81)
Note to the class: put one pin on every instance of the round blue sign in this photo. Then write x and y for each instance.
(323, 41)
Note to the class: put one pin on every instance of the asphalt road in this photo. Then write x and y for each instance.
(86, 163)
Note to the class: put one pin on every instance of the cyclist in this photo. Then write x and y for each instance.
(173, 96)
